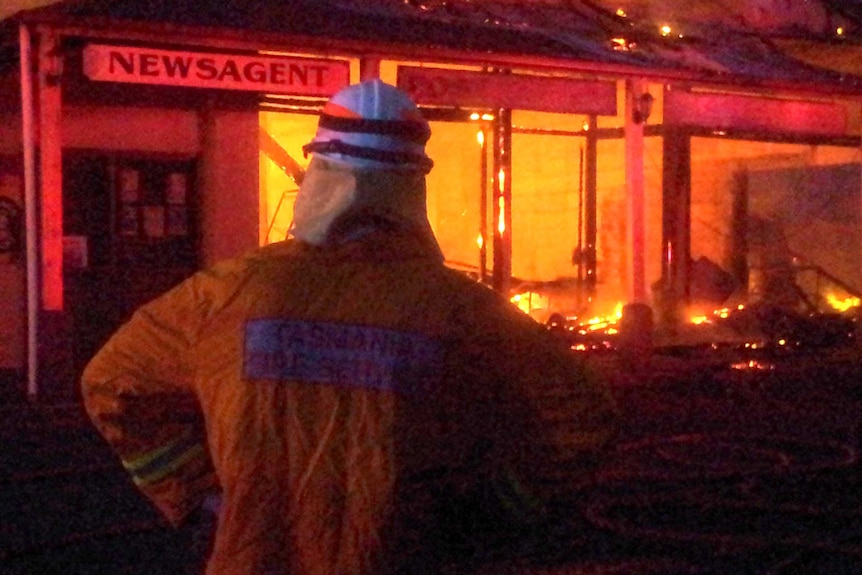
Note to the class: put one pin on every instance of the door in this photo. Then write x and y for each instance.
(130, 227)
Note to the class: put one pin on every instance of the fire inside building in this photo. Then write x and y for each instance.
(586, 157)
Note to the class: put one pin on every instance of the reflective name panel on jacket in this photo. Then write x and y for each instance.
(340, 354)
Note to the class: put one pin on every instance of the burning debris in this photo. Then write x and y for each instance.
(761, 328)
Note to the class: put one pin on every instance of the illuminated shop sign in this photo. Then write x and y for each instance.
(272, 74)
(516, 91)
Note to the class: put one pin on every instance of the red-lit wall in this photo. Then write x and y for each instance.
(12, 265)
(229, 180)
(225, 145)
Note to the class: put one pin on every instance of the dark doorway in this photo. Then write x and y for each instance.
(130, 226)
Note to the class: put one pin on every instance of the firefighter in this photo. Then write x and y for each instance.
(343, 401)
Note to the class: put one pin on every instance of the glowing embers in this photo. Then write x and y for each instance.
(842, 304)
(752, 336)
(752, 365)
(722, 313)
(770, 328)
(621, 44)
(667, 31)
(597, 333)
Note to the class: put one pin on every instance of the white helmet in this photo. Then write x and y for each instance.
(372, 125)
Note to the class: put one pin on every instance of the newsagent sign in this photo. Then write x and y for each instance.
(271, 74)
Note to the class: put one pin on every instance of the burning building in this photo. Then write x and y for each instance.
(584, 155)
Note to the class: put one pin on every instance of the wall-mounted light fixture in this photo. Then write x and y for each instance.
(642, 108)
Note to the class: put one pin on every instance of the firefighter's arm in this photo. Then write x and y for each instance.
(138, 392)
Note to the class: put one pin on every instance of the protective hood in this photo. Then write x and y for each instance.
(337, 203)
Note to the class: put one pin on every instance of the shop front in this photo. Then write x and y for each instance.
(138, 150)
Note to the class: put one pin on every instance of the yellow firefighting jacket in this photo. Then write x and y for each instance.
(341, 399)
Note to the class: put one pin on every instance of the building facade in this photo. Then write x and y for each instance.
(581, 161)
